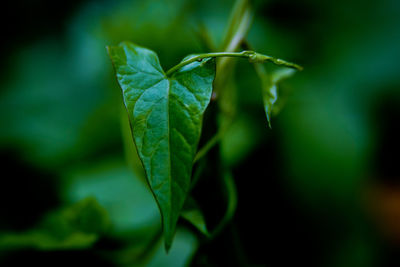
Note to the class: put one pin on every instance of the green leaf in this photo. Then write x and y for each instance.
(129, 203)
(192, 213)
(166, 117)
(270, 86)
(75, 227)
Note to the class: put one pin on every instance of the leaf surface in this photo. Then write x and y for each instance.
(166, 117)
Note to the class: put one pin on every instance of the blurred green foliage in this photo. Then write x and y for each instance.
(60, 112)
(77, 226)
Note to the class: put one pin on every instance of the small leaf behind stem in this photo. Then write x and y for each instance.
(192, 213)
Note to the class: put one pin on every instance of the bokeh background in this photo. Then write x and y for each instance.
(321, 188)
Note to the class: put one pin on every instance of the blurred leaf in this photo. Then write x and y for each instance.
(44, 241)
(55, 80)
(75, 227)
(166, 118)
(129, 202)
(239, 140)
(85, 216)
(180, 254)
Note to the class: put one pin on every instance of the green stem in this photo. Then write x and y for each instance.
(201, 57)
(231, 192)
(251, 55)
(235, 19)
(210, 144)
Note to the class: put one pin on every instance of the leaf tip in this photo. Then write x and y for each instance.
(108, 48)
(269, 124)
(167, 246)
(268, 115)
(169, 235)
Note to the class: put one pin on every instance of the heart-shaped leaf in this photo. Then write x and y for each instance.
(166, 118)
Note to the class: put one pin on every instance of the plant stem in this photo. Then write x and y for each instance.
(240, 20)
(201, 57)
(210, 144)
(251, 55)
(231, 192)
(235, 19)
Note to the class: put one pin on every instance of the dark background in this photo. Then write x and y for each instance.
(321, 188)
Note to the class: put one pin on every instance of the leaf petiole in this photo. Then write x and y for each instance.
(253, 57)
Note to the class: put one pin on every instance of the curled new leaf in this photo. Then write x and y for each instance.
(269, 83)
